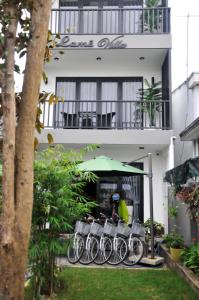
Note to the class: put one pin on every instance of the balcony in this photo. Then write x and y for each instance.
(106, 115)
(110, 21)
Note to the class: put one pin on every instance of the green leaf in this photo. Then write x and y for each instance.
(45, 78)
(50, 138)
(51, 99)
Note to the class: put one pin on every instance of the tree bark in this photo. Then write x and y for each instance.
(12, 285)
(9, 117)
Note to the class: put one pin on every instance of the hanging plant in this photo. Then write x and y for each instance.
(190, 196)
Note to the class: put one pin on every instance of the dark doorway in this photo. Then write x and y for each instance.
(131, 188)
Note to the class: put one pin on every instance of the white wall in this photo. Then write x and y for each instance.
(55, 3)
(93, 70)
(185, 110)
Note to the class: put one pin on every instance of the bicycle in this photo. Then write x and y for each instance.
(76, 242)
(91, 248)
(119, 244)
(105, 242)
(135, 245)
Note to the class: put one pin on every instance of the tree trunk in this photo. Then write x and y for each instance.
(9, 116)
(13, 285)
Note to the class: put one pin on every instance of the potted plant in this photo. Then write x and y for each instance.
(173, 212)
(151, 19)
(190, 196)
(175, 243)
(158, 228)
(151, 95)
(190, 257)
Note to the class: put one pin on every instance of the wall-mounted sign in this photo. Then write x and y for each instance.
(105, 43)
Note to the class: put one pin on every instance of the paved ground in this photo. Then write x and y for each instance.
(62, 261)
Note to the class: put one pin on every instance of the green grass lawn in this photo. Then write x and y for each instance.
(117, 284)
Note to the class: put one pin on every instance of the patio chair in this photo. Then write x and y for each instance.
(105, 120)
(70, 120)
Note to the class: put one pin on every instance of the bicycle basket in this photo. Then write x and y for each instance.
(109, 229)
(82, 227)
(122, 229)
(137, 229)
(96, 229)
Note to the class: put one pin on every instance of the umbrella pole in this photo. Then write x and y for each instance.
(151, 203)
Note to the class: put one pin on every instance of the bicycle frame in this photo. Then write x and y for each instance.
(88, 242)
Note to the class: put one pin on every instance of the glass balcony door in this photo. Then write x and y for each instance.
(103, 16)
(65, 111)
(131, 18)
(87, 103)
(130, 107)
(98, 102)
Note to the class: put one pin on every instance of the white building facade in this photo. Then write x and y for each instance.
(185, 111)
(108, 48)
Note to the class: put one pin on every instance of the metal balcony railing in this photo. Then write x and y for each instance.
(110, 21)
(106, 114)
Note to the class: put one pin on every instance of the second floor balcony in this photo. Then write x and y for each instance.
(110, 21)
(101, 114)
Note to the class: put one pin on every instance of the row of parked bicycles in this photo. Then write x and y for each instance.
(106, 241)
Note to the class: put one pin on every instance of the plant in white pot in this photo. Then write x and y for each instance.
(151, 96)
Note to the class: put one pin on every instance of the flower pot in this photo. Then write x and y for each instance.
(175, 254)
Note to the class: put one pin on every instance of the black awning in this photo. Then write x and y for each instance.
(180, 174)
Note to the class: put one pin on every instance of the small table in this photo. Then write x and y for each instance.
(87, 118)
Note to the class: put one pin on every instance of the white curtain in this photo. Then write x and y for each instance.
(88, 92)
(110, 16)
(90, 19)
(66, 91)
(132, 19)
(69, 20)
(130, 92)
(109, 93)
(110, 19)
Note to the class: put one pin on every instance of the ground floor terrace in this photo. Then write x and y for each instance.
(135, 189)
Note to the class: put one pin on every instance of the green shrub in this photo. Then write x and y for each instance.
(174, 240)
(157, 227)
(190, 257)
(59, 200)
(172, 212)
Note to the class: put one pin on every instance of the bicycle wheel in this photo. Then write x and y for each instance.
(135, 251)
(119, 251)
(75, 248)
(105, 250)
(90, 251)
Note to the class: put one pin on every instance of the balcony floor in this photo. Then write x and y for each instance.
(151, 139)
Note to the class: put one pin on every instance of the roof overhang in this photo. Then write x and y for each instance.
(191, 132)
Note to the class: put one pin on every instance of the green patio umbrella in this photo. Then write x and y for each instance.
(106, 166)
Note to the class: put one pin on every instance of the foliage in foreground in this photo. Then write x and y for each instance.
(174, 240)
(100, 284)
(190, 257)
(58, 201)
(157, 227)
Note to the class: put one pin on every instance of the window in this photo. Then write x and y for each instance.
(104, 102)
(104, 16)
